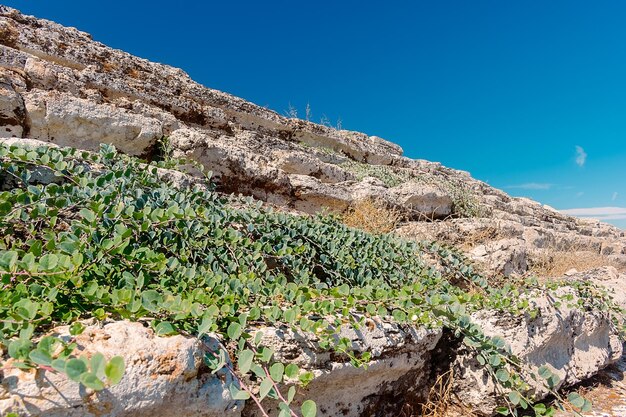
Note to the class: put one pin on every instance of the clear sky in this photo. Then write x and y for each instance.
(529, 96)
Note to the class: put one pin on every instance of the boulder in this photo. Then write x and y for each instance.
(574, 343)
(502, 257)
(165, 376)
(398, 373)
(81, 123)
(426, 202)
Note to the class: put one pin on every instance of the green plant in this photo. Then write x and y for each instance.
(112, 238)
(164, 151)
(386, 174)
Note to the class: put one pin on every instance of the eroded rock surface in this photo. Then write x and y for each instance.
(574, 343)
(164, 376)
(399, 372)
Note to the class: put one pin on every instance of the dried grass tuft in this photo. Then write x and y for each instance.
(439, 402)
(372, 216)
(555, 261)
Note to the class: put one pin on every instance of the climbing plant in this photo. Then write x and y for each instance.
(106, 236)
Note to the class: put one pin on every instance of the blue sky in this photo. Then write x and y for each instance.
(528, 96)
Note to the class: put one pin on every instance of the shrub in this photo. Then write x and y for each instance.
(386, 174)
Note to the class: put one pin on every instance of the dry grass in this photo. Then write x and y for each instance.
(481, 235)
(372, 216)
(439, 402)
(556, 261)
(109, 67)
(606, 390)
(439, 396)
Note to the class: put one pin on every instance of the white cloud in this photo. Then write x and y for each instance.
(532, 186)
(614, 196)
(580, 194)
(600, 213)
(581, 156)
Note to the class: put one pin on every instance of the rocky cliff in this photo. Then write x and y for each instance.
(59, 86)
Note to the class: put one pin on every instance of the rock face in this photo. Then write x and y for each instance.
(399, 372)
(58, 85)
(518, 245)
(573, 343)
(168, 368)
(174, 381)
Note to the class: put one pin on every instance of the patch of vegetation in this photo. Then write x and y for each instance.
(555, 260)
(113, 239)
(321, 149)
(386, 174)
(464, 202)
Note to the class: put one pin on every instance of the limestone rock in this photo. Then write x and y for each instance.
(426, 201)
(399, 371)
(295, 162)
(505, 257)
(12, 109)
(575, 344)
(169, 371)
(70, 121)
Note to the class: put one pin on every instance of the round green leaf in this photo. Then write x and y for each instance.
(544, 372)
(292, 370)
(502, 375)
(234, 330)
(515, 397)
(308, 408)
(576, 400)
(291, 393)
(237, 394)
(74, 368)
(114, 370)
(90, 380)
(244, 360)
(265, 387)
(97, 363)
(165, 328)
(40, 357)
(276, 371)
(48, 262)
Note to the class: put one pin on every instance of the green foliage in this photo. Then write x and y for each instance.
(113, 238)
(389, 176)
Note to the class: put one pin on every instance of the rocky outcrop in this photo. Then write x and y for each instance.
(506, 256)
(58, 85)
(166, 375)
(399, 371)
(573, 343)
(61, 86)
(513, 246)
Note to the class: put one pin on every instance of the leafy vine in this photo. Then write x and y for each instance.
(108, 236)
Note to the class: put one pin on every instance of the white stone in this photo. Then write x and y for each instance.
(164, 377)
